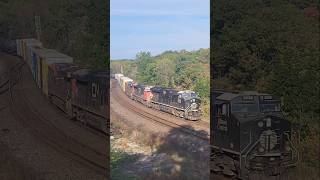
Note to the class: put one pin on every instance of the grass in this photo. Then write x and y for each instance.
(118, 159)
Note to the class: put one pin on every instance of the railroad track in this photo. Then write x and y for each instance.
(7, 80)
(92, 129)
(160, 120)
(52, 135)
(202, 123)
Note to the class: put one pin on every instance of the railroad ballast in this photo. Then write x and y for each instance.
(184, 104)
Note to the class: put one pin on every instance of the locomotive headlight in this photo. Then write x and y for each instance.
(260, 124)
(268, 121)
(261, 149)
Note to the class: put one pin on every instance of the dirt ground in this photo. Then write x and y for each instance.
(153, 151)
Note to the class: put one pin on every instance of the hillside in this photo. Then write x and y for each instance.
(175, 69)
(272, 46)
(78, 28)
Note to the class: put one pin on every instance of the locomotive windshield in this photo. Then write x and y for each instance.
(245, 107)
(270, 107)
(189, 95)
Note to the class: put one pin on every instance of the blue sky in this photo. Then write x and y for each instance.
(157, 26)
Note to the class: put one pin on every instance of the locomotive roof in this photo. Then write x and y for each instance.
(187, 94)
(81, 75)
(71, 69)
(227, 96)
(159, 89)
(140, 86)
(101, 73)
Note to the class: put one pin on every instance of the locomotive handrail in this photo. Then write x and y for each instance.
(248, 144)
(296, 151)
(187, 110)
(293, 164)
(2, 76)
(6, 75)
(246, 154)
(5, 89)
(160, 103)
(88, 110)
(225, 91)
(83, 108)
(3, 84)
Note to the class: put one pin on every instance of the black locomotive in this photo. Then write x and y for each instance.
(250, 134)
(184, 104)
(80, 93)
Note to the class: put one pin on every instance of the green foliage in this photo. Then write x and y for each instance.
(271, 46)
(118, 160)
(78, 28)
(202, 86)
(180, 70)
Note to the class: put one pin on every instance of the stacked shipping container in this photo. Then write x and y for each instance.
(124, 82)
(39, 59)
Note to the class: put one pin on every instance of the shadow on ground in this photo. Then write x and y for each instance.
(175, 156)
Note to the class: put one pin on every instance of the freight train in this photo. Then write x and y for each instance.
(79, 92)
(250, 134)
(184, 104)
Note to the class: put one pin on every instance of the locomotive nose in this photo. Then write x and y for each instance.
(268, 140)
(194, 106)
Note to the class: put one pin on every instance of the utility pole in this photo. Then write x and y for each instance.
(38, 26)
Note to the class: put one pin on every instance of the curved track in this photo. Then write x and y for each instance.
(172, 122)
(45, 130)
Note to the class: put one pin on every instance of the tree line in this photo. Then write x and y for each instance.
(180, 70)
(78, 28)
(271, 46)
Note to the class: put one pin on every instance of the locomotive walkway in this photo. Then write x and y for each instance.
(51, 142)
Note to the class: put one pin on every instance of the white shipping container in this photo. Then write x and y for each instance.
(123, 81)
(117, 77)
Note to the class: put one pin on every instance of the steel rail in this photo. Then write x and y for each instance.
(161, 121)
(61, 141)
